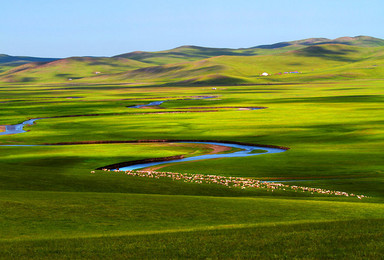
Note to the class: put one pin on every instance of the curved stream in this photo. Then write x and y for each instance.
(247, 150)
(158, 103)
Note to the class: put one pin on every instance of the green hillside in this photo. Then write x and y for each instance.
(7, 60)
(362, 41)
(310, 59)
(315, 59)
(313, 63)
(69, 69)
(182, 54)
(193, 53)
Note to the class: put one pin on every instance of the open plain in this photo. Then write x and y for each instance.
(323, 102)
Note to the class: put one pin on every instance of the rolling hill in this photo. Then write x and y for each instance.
(185, 53)
(323, 62)
(362, 41)
(69, 69)
(296, 61)
(193, 53)
(7, 60)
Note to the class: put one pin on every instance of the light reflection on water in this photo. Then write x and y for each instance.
(246, 151)
(18, 128)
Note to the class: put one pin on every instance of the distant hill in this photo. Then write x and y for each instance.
(361, 41)
(7, 60)
(303, 60)
(311, 63)
(183, 54)
(69, 69)
(193, 53)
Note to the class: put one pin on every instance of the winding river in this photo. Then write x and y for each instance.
(246, 149)
(158, 103)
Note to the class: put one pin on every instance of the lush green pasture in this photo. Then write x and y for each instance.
(69, 69)
(356, 239)
(54, 207)
(334, 130)
(38, 224)
(70, 214)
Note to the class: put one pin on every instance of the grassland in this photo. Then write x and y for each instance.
(54, 207)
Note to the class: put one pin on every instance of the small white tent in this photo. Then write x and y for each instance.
(264, 74)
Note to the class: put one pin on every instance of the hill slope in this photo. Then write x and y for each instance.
(318, 62)
(361, 41)
(69, 69)
(7, 60)
(184, 53)
(193, 53)
(296, 61)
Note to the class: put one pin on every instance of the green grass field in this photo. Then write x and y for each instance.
(53, 207)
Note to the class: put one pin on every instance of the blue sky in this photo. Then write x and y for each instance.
(56, 28)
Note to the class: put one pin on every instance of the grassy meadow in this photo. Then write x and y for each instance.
(53, 206)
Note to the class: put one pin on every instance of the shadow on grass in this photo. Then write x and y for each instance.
(323, 52)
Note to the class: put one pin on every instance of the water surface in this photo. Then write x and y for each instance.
(19, 128)
(247, 150)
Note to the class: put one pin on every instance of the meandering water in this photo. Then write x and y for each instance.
(154, 103)
(246, 150)
(158, 103)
